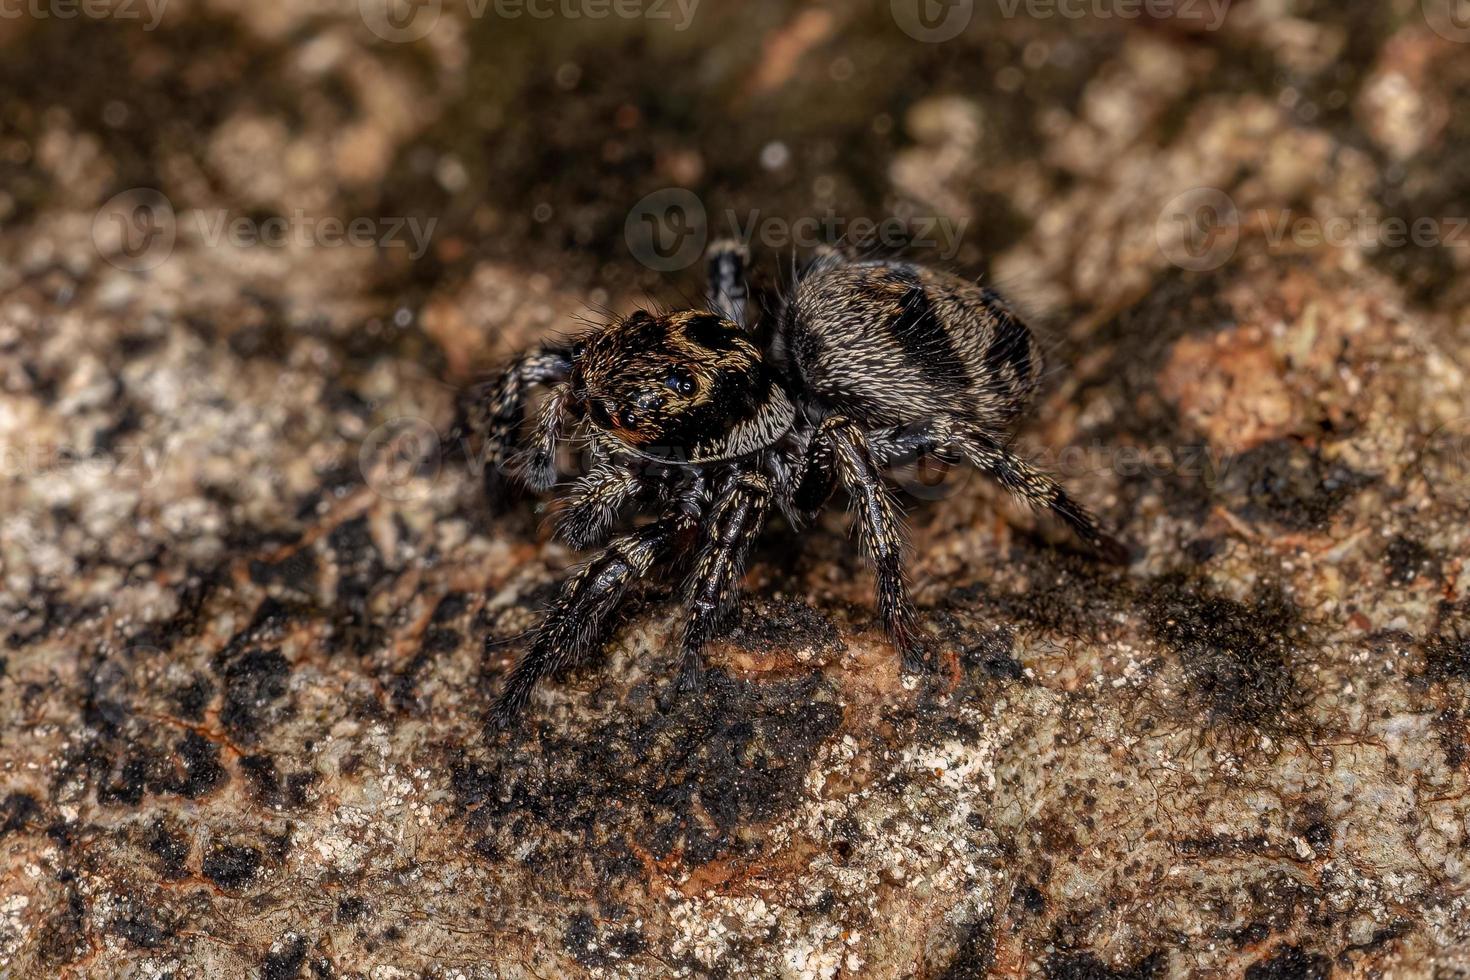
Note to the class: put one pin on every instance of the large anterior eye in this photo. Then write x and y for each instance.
(681, 381)
(579, 350)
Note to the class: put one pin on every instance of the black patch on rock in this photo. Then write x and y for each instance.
(253, 681)
(351, 908)
(130, 783)
(172, 850)
(1407, 559)
(360, 569)
(783, 624)
(1447, 655)
(286, 962)
(193, 698)
(1292, 485)
(992, 653)
(297, 571)
(1290, 963)
(450, 608)
(1086, 966)
(1065, 591)
(580, 940)
(976, 953)
(690, 782)
(20, 810)
(264, 778)
(202, 769)
(62, 937)
(231, 866)
(136, 927)
(1237, 657)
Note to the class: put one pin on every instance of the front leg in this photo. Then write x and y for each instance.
(733, 524)
(880, 530)
(595, 503)
(494, 411)
(577, 618)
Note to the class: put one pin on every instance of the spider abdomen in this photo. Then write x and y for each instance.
(892, 344)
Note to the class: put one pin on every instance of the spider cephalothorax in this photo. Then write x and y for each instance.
(694, 413)
(685, 387)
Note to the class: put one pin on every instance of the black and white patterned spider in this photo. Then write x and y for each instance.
(696, 416)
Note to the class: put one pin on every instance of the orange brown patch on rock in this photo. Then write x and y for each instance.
(1230, 386)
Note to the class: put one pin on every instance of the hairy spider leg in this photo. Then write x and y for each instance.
(496, 410)
(880, 532)
(1013, 473)
(595, 503)
(736, 519)
(727, 293)
(576, 621)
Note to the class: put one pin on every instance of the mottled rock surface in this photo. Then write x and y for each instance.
(245, 668)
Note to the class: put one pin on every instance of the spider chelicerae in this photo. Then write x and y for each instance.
(712, 423)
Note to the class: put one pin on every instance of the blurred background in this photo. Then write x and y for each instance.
(250, 253)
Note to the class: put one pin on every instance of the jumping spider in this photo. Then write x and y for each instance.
(691, 415)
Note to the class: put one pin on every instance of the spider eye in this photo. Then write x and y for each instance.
(629, 419)
(681, 381)
(579, 350)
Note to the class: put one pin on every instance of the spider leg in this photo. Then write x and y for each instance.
(536, 466)
(880, 532)
(495, 410)
(736, 519)
(728, 294)
(814, 488)
(1039, 490)
(576, 620)
(1009, 470)
(595, 502)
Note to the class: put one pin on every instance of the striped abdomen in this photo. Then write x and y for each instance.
(894, 344)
